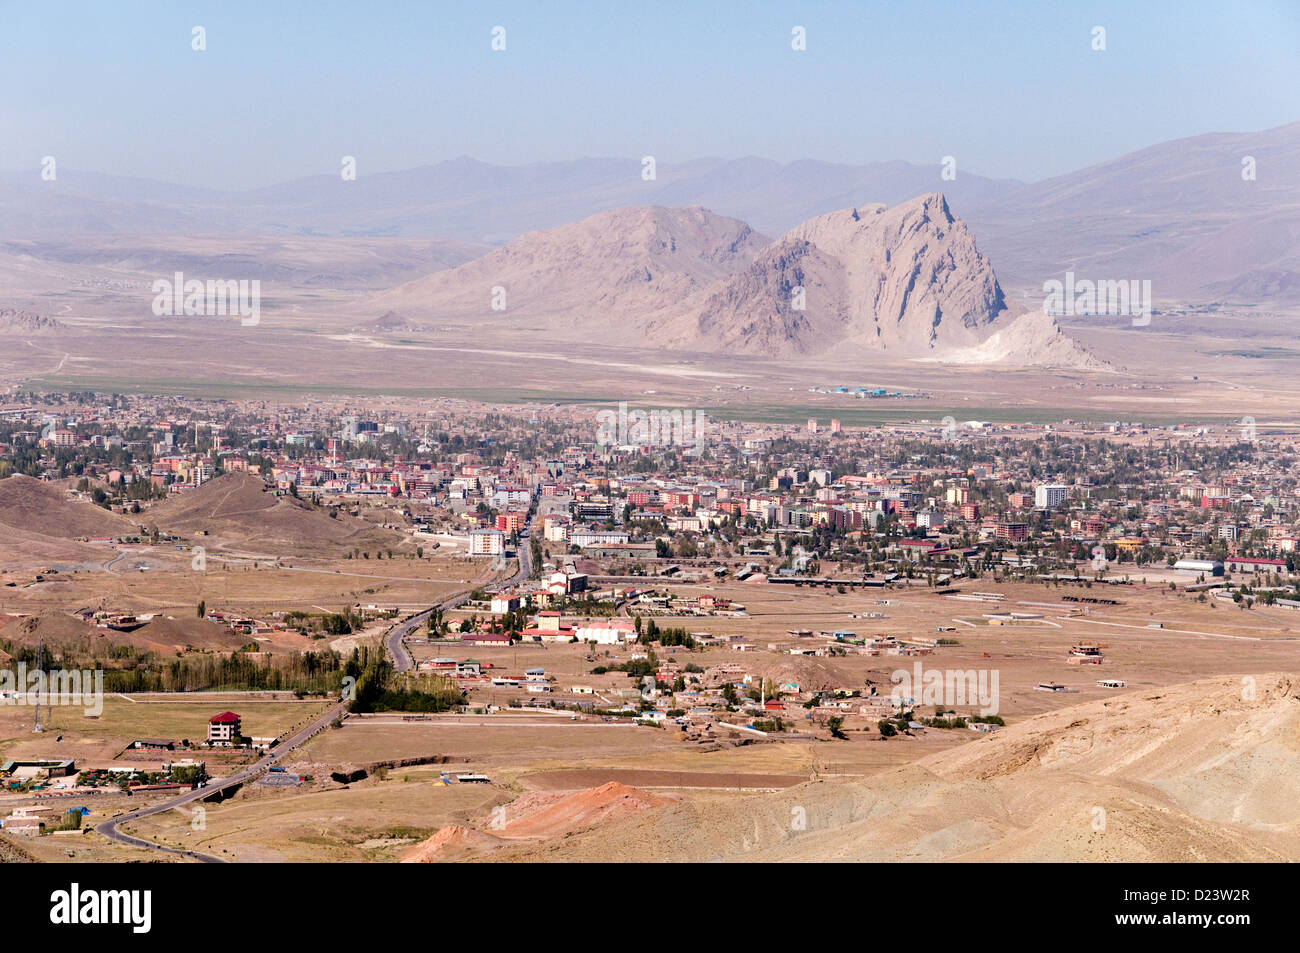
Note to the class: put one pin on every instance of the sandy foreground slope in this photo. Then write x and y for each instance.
(536, 815)
(1206, 771)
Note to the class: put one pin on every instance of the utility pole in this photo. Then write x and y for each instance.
(36, 715)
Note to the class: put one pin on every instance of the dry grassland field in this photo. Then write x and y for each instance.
(530, 754)
(128, 717)
(243, 585)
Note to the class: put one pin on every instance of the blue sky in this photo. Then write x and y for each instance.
(285, 88)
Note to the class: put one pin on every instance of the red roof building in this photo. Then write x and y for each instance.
(223, 728)
(485, 638)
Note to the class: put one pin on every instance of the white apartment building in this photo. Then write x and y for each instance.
(1050, 495)
(487, 542)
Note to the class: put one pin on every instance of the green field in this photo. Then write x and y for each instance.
(860, 413)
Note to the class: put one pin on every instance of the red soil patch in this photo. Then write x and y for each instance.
(450, 843)
(535, 816)
(541, 815)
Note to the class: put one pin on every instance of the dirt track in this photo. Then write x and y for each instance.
(582, 778)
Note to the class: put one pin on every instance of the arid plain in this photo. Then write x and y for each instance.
(1191, 755)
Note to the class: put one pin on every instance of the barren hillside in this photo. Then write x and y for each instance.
(1191, 215)
(1205, 771)
(600, 273)
(33, 506)
(240, 512)
(162, 634)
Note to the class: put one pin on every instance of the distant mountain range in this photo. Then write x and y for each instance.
(469, 200)
(1180, 214)
(1212, 218)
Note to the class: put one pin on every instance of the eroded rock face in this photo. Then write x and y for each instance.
(26, 322)
(907, 279)
(906, 282)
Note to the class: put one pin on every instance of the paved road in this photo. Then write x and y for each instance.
(402, 659)
(525, 555)
(109, 827)
(495, 722)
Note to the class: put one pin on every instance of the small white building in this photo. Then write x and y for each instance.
(502, 603)
(606, 632)
(589, 537)
(1209, 566)
(930, 519)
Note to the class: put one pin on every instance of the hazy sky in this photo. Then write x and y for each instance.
(284, 89)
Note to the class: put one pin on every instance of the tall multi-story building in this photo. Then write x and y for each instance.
(223, 728)
(487, 542)
(1050, 495)
(512, 521)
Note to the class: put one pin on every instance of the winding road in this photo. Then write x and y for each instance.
(402, 661)
(109, 827)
